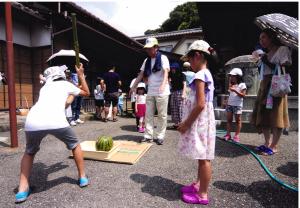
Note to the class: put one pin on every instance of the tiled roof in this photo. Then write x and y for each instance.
(170, 34)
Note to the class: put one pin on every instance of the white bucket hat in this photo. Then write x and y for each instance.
(55, 72)
(150, 42)
(236, 72)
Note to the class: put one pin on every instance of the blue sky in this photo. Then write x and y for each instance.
(130, 16)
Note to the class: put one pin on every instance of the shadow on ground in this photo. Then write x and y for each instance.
(267, 193)
(131, 128)
(158, 186)
(290, 169)
(39, 177)
(226, 149)
(2, 144)
(172, 128)
(129, 138)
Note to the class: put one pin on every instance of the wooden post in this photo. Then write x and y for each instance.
(11, 76)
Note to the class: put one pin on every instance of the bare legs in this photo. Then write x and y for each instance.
(229, 116)
(272, 143)
(78, 157)
(26, 166)
(204, 177)
(27, 161)
(114, 112)
(276, 136)
(238, 121)
(267, 135)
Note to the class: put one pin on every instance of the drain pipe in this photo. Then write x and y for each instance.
(11, 76)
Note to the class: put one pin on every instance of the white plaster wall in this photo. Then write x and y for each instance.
(40, 35)
(180, 49)
(184, 46)
(23, 34)
(166, 43)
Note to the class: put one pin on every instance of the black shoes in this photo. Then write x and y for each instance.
(145, 140)
(159, 141)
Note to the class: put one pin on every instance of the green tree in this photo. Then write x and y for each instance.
(183, 17)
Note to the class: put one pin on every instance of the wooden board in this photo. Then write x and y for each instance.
(127, 152)
(130, 152)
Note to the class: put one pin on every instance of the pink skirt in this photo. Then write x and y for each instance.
(141, 110)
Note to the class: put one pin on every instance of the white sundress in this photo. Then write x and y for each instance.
(198, 142)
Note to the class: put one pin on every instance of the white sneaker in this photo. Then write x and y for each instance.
(79, 121)
(73, 123)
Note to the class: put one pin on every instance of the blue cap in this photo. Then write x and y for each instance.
(174, 65)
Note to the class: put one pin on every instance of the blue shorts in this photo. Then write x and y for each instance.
(34, 138)
(234, 109)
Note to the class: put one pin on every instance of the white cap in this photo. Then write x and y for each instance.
(150, 42)
(186, 64)
(142, 85)
(260, 52)
(55, 72)
(257, 53)
(199, 45)
(236, 72)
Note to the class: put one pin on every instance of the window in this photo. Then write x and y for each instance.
(167, 48)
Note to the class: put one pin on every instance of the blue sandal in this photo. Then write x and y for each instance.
(22, 196)
(261, 148)
(267, 151)
(83, 182)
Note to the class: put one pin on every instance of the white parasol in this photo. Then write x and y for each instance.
(241, 61)
(63, 53)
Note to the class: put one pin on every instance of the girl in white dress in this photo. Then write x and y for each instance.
(198, 129)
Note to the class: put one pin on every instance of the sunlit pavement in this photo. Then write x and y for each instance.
(238, 180)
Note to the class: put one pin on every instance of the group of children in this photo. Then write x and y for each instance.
(140, 104)
(99, 94)
(197, 129)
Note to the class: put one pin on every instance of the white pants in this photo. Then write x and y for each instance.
(161, 104)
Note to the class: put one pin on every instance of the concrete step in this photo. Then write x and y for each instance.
(246, 126)
(220, 114)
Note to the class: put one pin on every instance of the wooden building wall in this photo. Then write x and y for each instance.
(28, 62)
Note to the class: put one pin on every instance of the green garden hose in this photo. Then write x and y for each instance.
(220, 134)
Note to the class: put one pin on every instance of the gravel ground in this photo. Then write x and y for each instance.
(154, 181)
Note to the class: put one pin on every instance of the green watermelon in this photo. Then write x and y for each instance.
(104, 143)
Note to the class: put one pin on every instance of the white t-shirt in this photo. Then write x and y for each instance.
(281, 56)
(234, 99)
(49, 111)
(141, 99)
(98, 93)
(155, 79)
